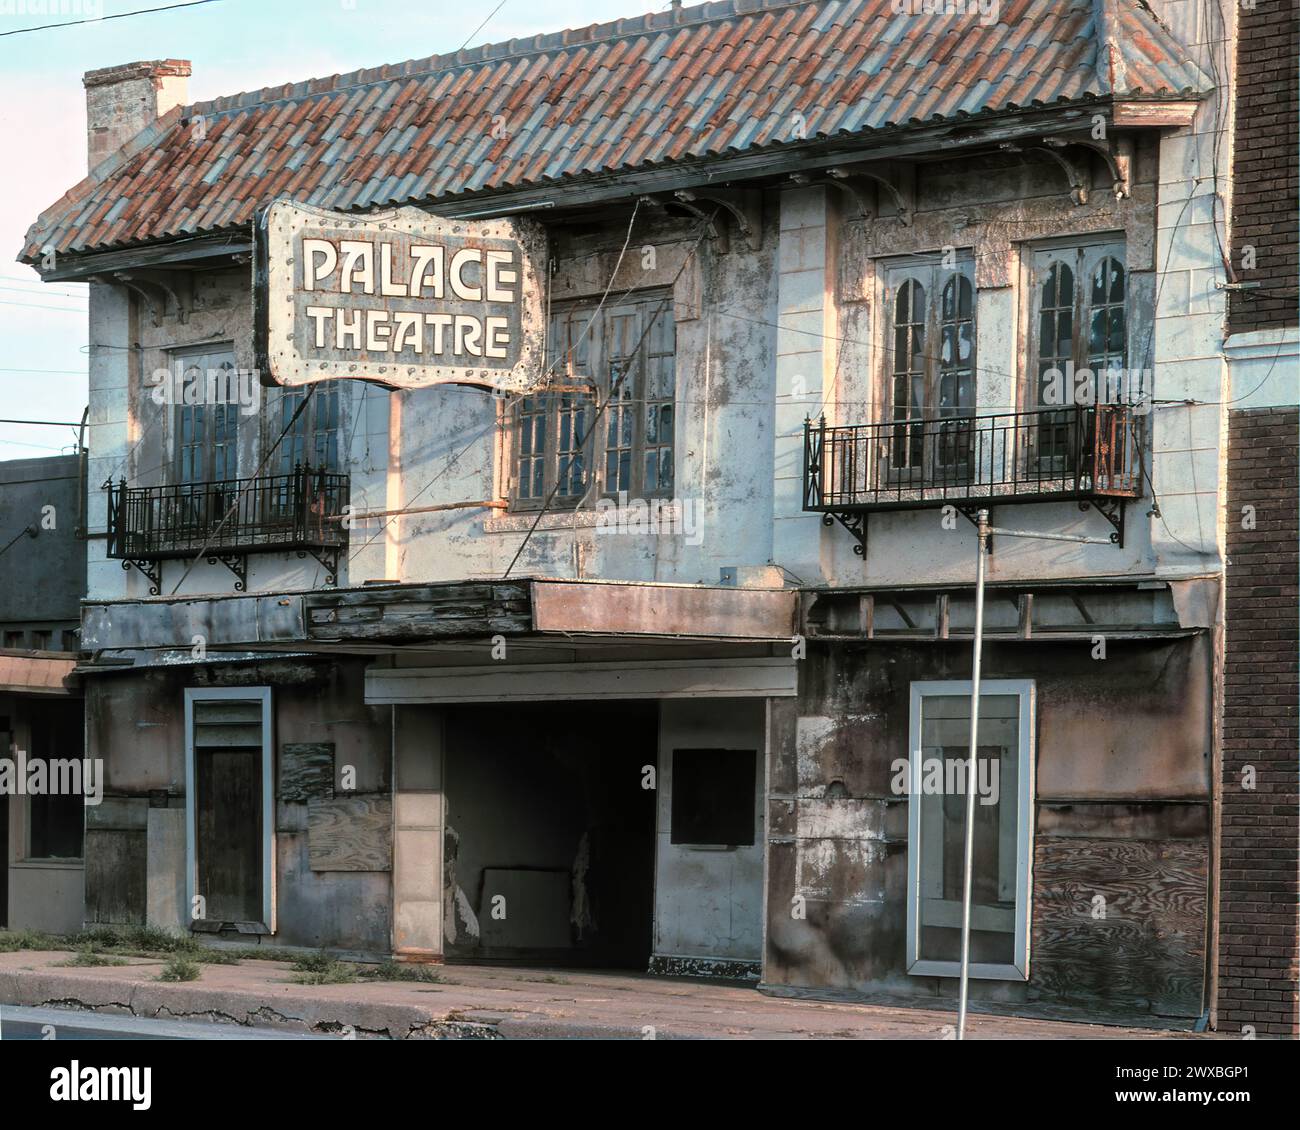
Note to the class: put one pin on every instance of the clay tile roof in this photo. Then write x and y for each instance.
(703, 82)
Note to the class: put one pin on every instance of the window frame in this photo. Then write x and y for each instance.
(933, 276)
(268, 845)
(1082, 254)
(179, 360)
(1026, 691)
(307, 428)
(595, 446)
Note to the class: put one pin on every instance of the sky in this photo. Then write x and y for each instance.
(234, 45)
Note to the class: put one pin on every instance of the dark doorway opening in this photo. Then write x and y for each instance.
(550, 843)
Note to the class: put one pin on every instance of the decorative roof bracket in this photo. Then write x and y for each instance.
(852, 188)
(742, 206)
(900, 190)
(155, 287)
(1119, 159)
(1077, 176)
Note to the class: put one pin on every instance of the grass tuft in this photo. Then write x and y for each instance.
(321, 969)
(181, 969)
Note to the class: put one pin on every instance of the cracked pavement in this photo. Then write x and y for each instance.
(492, 1002)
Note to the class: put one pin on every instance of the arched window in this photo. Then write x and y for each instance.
(909, 371)
(956, 392)
(1055, 332)
(1108, 328)
(930, 361)
(1080, 350)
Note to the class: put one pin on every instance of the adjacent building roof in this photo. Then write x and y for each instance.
(709, 81)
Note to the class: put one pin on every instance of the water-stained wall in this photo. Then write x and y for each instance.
(331, 755)
(1122, 749)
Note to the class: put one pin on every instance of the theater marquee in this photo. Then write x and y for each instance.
(400, 298)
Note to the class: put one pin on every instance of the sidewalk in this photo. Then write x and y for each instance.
(488, 1002)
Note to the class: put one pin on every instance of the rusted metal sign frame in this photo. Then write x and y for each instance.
(287, 356)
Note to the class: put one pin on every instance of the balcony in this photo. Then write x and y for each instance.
(1090, 454)
(226, 520)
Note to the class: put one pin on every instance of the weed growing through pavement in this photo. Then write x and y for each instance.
(181, 969)
(321, 969)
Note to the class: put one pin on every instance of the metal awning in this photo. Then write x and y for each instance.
(36, 672)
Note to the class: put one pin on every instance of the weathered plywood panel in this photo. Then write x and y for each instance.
(306, 771)
(1120, 924)
(115, 876)
(351, 834)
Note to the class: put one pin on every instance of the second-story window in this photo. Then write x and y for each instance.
(1078, 345)
(314, 438)
(207, 427)
(929, 363)
(622, 356)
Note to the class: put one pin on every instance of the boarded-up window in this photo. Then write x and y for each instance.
(713, 796)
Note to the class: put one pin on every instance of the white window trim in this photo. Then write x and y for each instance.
(211, 694)
(1019, 969)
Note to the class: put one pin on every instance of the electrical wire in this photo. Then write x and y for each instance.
(100, 19)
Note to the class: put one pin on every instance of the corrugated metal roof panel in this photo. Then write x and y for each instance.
(722, 77)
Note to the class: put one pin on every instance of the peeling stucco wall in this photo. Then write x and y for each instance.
(1122, 809)
(135, 722)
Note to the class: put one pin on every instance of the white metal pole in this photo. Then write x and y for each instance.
(971, 767)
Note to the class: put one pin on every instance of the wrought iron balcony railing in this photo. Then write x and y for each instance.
(1091, 454)
(225, 520)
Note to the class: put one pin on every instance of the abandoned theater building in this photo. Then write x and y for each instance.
(661, 661)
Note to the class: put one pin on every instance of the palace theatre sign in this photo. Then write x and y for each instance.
(400, 298)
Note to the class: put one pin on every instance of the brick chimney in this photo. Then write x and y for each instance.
(121, 101)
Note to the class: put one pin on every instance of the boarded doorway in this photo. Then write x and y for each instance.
(229, 822)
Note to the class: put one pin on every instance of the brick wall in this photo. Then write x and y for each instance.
(1266, 166)
(1258, 947)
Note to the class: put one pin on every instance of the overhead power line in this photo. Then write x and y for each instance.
(45, 423)
(101, 19)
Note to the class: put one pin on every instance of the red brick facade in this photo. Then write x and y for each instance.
(1259, 953)
(1266, 166)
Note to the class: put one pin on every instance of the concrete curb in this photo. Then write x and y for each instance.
(303, 1007)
